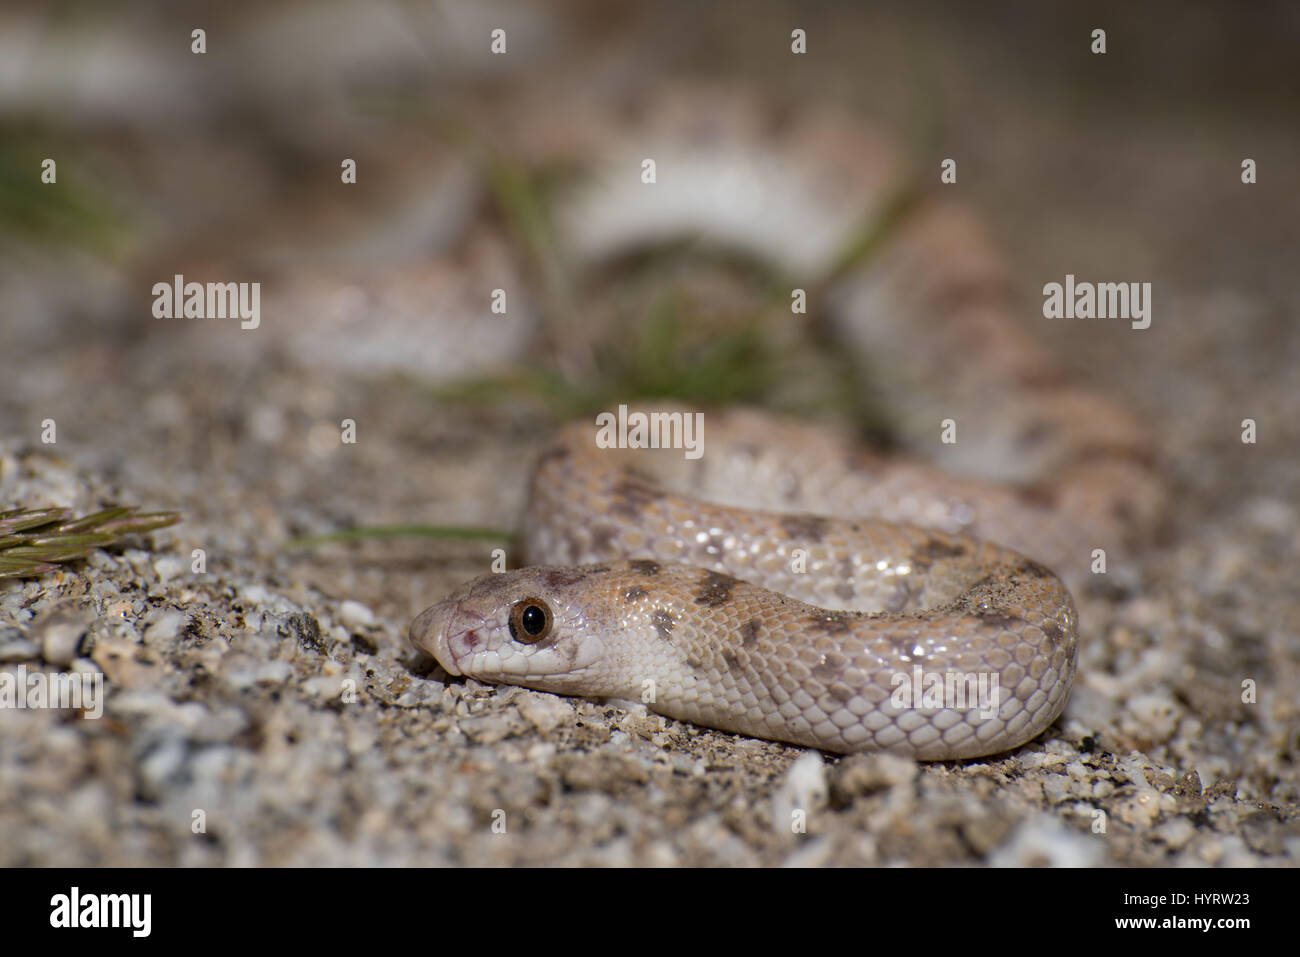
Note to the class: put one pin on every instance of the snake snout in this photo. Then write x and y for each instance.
(426, 629)
(447, 632)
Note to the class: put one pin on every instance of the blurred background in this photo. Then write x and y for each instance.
(226, 165)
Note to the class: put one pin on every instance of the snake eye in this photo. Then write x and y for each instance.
(530, 620)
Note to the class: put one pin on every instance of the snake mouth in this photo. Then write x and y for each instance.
(448, 633)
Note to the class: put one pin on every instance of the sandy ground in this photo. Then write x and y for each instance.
(266, 709)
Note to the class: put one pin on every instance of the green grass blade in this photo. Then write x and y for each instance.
(32, 540)
(365, 533)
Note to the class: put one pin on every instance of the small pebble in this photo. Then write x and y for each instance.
(62, 639)
(1042, 842)
(1175, 832)
(167, 567)
(14, 647)
(327, 687)
(802, 793)
(1153, 717)
(355, 616)
(164, 628)
(545, 712)
(274, 673)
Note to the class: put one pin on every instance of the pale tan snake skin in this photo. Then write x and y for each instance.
(787, 585)
(698, 643)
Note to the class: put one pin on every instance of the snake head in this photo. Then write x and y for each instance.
(535, 626)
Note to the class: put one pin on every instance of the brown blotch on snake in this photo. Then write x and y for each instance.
(715, 590)
(1040, 495)
(555, 452)
(561, 577)
(602, 538)
(1096, 452)
(663, 623)
(1039, 378)
(644, 566)
(1032, 569)
(1034, 434)
(829, 668)
(811, 528)
(633, 593)
(997, 618)
(957, 292)
(858, 462)
(1123, 513)
(936, 549)
(749, 633)
(632, 497)
(835, 622)
(840, 692)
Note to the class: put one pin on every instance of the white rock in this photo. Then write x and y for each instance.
(545, 712)
(355, 616)
(1042, 842)
(1056, 787)
(274, 673)
(328, 687)
(1175, 832)
(165, 627)
(1151, 716)
(61, 639)
(167, 567)
(803, 792)
(17, 648)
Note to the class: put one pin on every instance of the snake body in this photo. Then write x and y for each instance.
(785, 584)
(736, 618)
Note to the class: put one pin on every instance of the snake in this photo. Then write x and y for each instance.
(782, 625)
(787, 584)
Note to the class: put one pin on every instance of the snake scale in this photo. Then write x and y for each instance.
(787, 584)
